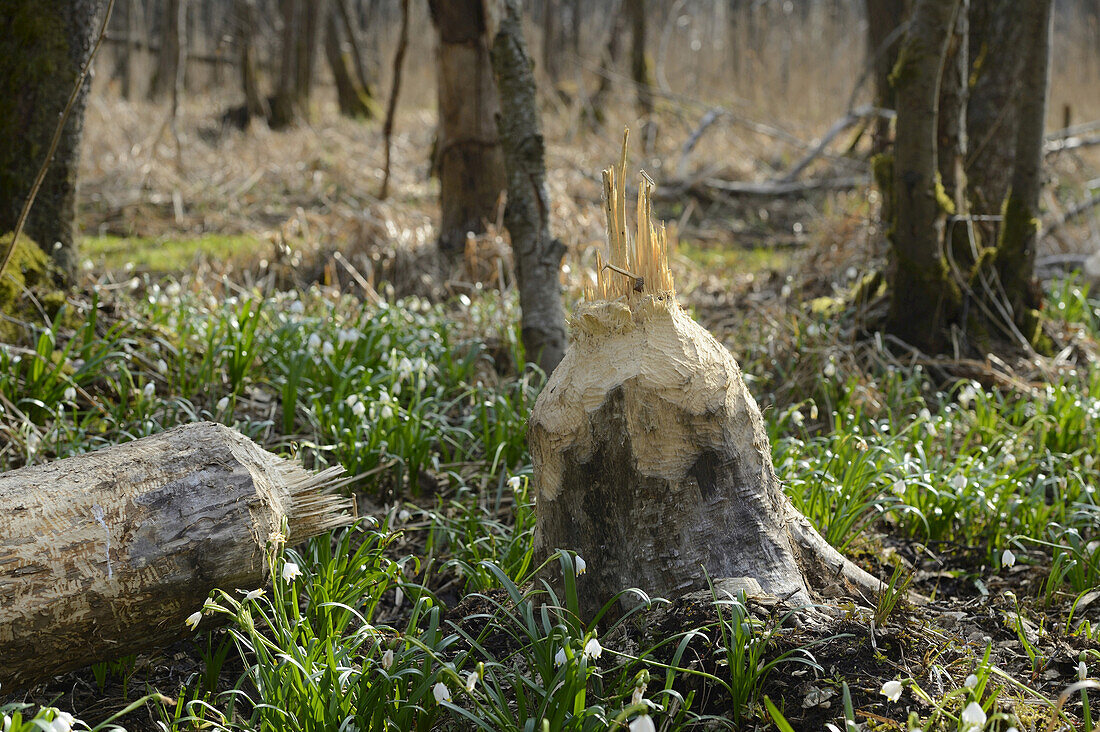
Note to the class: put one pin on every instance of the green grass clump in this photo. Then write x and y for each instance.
(163, 254)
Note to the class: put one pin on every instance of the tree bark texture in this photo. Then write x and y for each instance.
(996, 60)
(640, 70)
(551, 40)
(43, 47)
(471, 164)
(1020, 227)
(608, 61)
(923, 296)
(538, 254)
(311, 16)
(884, 17)
(355, 41)
(951, 120)
(284, 105)
(107, 553)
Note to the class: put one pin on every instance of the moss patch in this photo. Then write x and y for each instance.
(29, 269)
(166, 256)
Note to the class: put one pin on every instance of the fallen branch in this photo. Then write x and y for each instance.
(1070, 143)
(846, 122)
(672, 190)
(1071, 213)
(107, 553)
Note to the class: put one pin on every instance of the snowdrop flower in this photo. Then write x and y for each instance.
(898, 489)
(592, 649)
(1088, 461)
(223, 404)
(441, 693)
(471, 681)
(830, 370)
(642, 723)
(971, 681)
(1007, 558)
(797, 418)
(291, 571)
(580, 565)
(559, 657)
(1082, 671)
(62, 721)
(70, 394)
(398, 597)
(162, 366)
(387, 659)
(973, 717)
(314, 341)
(386, 412)
(327, 349)
(193, 619)
(253, 595)
(359, 409)
(959, 482)
(149, 390)
(404, 515)
(891, 690)
(514, 482)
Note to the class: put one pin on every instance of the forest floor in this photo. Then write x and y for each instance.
(972, 480)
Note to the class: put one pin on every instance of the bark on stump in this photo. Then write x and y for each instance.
(650, 456)
(107, 553)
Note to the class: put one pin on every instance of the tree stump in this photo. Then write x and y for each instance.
(107, 553)
(651, 460)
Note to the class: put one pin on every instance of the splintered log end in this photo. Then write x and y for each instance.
(107, 553)
(651, 458)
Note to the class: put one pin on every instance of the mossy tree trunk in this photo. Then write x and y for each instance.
(355, 45)
(923, 296)
(43, 47)
(284, 109)
(311, 16)
(1019, 230)
(173, 49)
(538, 254)
(991, 121)
(471, 164)
(951, 119)
(884, 18)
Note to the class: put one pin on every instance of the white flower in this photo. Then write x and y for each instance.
(386, 412)
(638, 696)
(971, 681)
(398, 597)
(387, 659)
(471, 681)
(592, 649)
(973, 716)
(898, 489)
(959, 482)
(70, 394)
(797, 418)
(327, 349)
(359, 409)
(559, 657)
(830, 370)
(193, 619)
(1007, 558)
(580, 565)
(254, 594)
(404, 515)
(1082, 671)
(441, 693)
(223, 404)
(62, 721)
(514, 482)
(149, 390)
(297, 307)
(891, 690)
(162, 367)
(290, 571)
(314, 341)
(642, 723)
(1088, 461)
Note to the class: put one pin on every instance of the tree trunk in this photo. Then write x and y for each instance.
(356, 43)
(607, 65)
(1020, 228)
(172, 49)
(311, 13)
(551, 40)
(640, 70)
(43, 47)
(884, 18)
(350, 97)
(923, 297)
(395, 90)
(106, 553)
(651, 459)
(471, 166)
(951, 122)
(996, 64)
(255, 104)
(284, 111)
(538, 254)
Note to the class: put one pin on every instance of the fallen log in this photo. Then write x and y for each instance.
(107, 553)
(651, 459)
